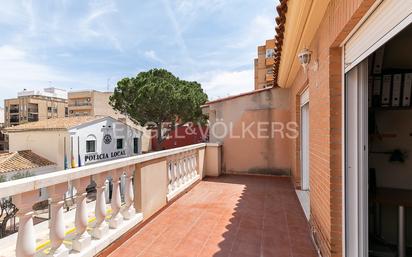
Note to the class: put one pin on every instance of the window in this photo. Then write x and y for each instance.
(90, 146)
(119, 143)
(49, 109)
(135, 145)
(270, 53)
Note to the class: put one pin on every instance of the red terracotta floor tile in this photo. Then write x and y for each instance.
(229, 216)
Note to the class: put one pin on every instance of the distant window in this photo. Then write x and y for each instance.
(90, 146)
(49, 109)
(270, 53)
(135, 145)
(119, 143)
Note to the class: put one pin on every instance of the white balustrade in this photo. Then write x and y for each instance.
(181, 174)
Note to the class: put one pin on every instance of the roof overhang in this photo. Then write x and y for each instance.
(302, 22)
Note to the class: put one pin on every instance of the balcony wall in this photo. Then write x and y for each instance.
(235, 123)
(142, 185)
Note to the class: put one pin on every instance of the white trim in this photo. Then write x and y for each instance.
(387, 20)
(356, 165)
(304, 97)
(33, 183)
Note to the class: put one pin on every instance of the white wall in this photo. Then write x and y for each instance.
(107, 126)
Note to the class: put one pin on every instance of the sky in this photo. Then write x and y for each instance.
(78, 44)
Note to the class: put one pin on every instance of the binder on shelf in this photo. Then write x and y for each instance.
(396, 90)
(407, 89)
(377, 64)
(386, 90)
(376, 99)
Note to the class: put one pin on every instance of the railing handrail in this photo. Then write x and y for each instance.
(28, 184)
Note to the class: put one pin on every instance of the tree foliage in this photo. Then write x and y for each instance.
(156, 97)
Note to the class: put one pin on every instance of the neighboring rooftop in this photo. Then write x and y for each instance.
(48, 92)
(54, 124)
(22, 160)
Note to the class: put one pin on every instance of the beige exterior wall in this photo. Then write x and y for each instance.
(252, 153)
(37, 141)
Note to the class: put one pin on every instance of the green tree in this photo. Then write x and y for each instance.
(158, 100)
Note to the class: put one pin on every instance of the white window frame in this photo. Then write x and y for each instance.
(355, 172)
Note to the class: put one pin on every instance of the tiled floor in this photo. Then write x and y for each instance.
(232, 216)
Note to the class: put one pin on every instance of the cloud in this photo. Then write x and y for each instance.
(151, 54)
(19, 71)
(219, 84)
(262, 27)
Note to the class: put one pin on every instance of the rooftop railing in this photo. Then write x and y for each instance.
(141, 186)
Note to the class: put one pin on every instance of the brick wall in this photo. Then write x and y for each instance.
(325, 111)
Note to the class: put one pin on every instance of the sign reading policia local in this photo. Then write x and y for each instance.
(104, 156)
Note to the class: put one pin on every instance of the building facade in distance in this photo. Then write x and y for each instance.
(264, 65)
(35, 105)
(90, 103)
(76, 141)
(96, 103)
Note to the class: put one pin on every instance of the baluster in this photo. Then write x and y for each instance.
(129, 210)
(26, 241)
(195, 169)
(101, 228)
(116, 202)
(184, 170)
(176, 174)
(188, 170)
(82, 239)
(181, 177)
(192, 175)
(57, 233)
(170, 176)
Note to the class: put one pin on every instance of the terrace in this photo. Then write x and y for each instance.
(167, 203)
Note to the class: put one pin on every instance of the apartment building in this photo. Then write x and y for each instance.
(91, 103)
(35, 105)
(264, 65)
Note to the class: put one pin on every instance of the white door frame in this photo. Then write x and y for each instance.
(304, 145)
(356, 161)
